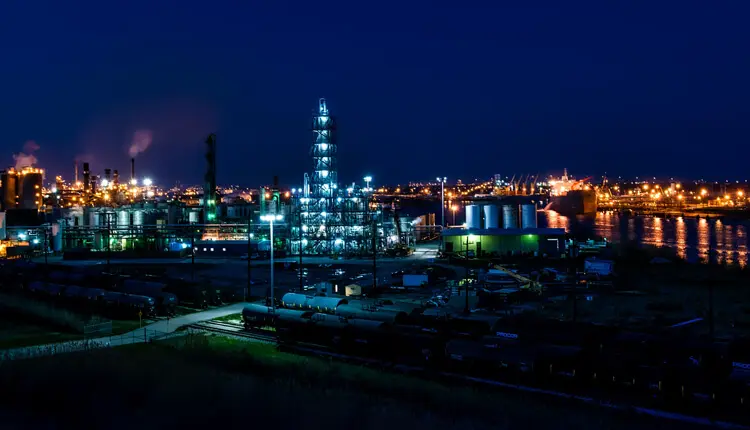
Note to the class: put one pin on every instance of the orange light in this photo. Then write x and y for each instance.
(268, 195)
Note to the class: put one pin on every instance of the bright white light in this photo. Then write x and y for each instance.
(105, 183)
(368, 179)
(35, 241)
(339, 242)
(184, 245)
(324, 173)
(323, 214)
(338, 199)
(147, 182)
(134, 182)
(294, 191)
(324, 147)
(269, 218)
(54, 190)
(349, 190)
(334, 186)
(22, 236)
(299, 190)
(304, 227)
(394, 238)
(304, 242)
(150, 193)
(251, 235)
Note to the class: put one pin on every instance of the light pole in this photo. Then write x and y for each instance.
(270, 219)
(367, 179)
(442, 199)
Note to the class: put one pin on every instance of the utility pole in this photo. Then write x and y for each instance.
(109, 241)
(299, 269)
(575, 282)
(46, 263)
(466, 277)
(192, 252)
(249, 258)
(374, 255)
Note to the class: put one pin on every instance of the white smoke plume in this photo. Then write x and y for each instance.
(141, 141)
(26, 158)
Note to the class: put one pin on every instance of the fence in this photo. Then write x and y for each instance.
(138, 336)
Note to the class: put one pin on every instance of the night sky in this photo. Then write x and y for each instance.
(460, 89)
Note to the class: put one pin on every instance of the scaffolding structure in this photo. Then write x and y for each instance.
(327, 219)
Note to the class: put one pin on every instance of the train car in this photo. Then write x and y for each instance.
(128, 305)
(388, 315)
(316, 304)
(166, 303)
(259, 316)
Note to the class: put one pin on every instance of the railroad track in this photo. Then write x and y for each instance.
(232, 330)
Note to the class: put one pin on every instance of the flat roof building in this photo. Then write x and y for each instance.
(487, 242)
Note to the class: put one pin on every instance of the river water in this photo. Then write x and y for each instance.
(694, 239)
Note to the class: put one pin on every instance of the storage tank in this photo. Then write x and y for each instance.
(491, 216)
(193, 217)
(473, 217)
(30, 190)
(528, 216)
(138, 217)
(510, 216)
(123, 218)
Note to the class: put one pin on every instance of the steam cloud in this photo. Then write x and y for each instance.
(26, 158)
(141, 141)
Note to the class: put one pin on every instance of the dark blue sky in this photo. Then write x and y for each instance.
(461, 89)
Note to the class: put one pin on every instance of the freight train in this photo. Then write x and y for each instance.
(574, 356)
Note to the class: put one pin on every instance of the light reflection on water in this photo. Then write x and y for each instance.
(693, 239)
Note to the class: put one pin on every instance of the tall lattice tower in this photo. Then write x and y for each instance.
(325, 174)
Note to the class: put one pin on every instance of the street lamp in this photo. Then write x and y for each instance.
(270, 219)
(442, 199)
(367, 179)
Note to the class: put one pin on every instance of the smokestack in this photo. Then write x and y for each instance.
(76, 172)
(108, 175)
(116, 177)
(132, 169)
(275, 182)
(86, 177)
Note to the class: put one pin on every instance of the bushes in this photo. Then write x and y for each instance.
(44, 312)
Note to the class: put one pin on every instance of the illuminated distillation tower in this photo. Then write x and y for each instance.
(325, 176)
(320, 215)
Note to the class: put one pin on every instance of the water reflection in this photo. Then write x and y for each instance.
(692, 238)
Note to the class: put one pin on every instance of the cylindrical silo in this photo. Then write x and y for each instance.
(528, 216)
(193, 217)
(510, 216)
(123, 218)
(57, 236)
(491, 216)
(94, 218)
(473, 217)
(138, 217)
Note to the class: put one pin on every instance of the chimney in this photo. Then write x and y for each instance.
(108, 175)
(132, 169)
(116, 177)
(86, 177)
(76, 172)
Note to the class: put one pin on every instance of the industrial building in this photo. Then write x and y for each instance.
(330, 219)
(487, 233)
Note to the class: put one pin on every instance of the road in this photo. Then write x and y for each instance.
(155, 330)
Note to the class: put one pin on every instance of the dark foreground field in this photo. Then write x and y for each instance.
(201, 382)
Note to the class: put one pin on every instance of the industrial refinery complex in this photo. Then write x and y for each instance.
(83, 217)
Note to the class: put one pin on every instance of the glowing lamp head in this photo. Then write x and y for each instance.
(134, 182)
(147, 182)
(271, 218)
(368, 178)
(105, 183)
